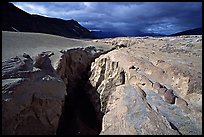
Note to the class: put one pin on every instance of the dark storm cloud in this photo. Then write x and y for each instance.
(156, 17)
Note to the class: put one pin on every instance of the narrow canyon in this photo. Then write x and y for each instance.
(137, 86)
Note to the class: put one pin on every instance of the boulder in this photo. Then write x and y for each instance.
(169, 96)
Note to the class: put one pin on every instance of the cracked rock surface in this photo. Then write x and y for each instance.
(162, 92)
(126, 86)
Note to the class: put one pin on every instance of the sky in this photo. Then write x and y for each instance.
(123, 17)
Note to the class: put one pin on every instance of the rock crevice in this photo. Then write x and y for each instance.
(81, 114)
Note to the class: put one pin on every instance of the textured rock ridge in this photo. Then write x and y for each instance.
(106, 75)
(32, 96)
(146, 106)
(152, 97)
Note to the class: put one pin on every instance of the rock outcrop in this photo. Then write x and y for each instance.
(142, 86)
(137, 107)
(32, 96)
(156, 97)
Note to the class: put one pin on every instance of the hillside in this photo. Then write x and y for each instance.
(196, 31)
(15, 19)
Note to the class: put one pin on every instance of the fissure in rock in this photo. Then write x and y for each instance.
(80, 114)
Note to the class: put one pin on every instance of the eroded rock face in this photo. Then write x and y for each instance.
(106, 75)
(155, 96)
(122, 106)
(167, 59)
(142, 86)
(32, 96)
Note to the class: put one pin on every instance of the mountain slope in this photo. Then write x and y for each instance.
(196, 31)
(15, 19)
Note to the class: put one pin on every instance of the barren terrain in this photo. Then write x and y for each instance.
(124, 85)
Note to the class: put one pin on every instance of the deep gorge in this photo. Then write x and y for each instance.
(81, 114)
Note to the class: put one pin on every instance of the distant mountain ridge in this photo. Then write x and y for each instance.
(106, 34)
(196, 31)
(112, 34)
(15, 19)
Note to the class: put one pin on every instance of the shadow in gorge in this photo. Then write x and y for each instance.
(79, 116)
